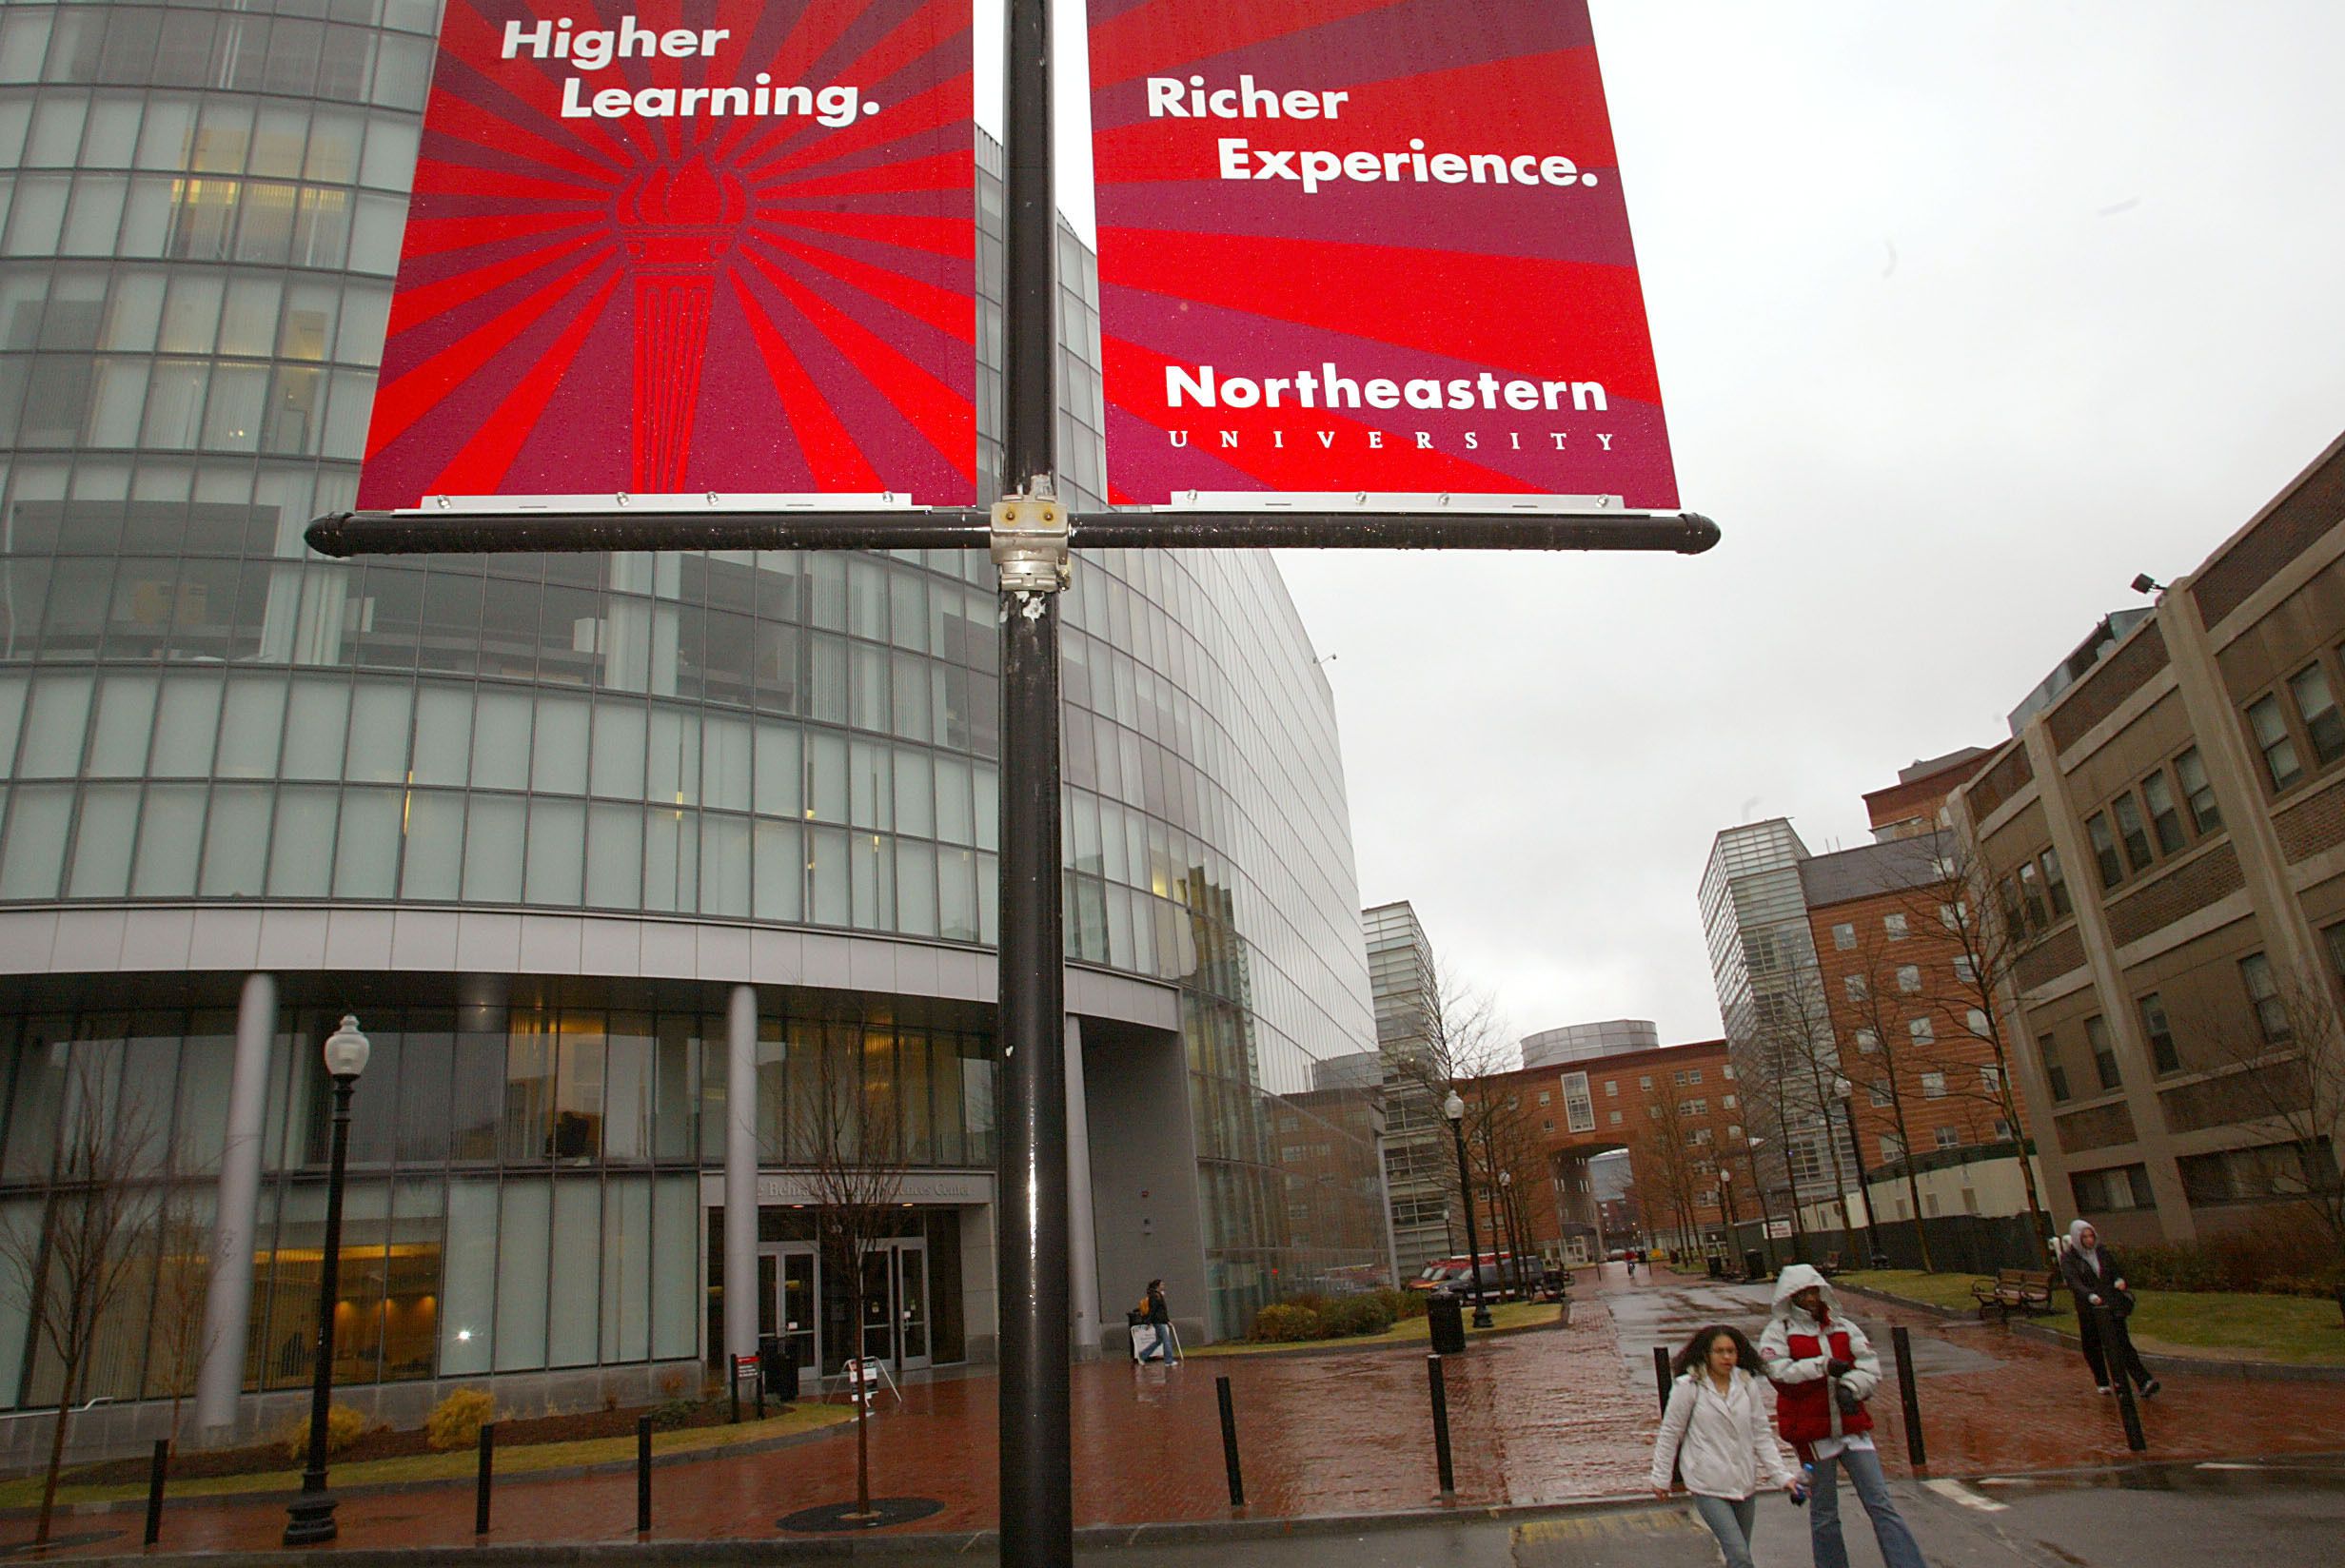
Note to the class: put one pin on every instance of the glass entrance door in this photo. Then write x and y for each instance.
(788, 1289)
(895, 1321)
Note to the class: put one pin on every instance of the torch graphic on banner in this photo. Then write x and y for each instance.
(678, 226)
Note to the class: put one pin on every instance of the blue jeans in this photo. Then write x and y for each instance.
(1160, 1341)
(1823, 1513)
(1731, 1522)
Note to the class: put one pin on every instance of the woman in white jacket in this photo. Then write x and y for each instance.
(1717, 1435)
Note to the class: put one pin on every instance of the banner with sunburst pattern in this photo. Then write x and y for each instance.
(685, 247)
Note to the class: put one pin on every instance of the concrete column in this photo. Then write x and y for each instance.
(740, 1172)
(2117, 1013)
(1082, 1236)
(227, 1303)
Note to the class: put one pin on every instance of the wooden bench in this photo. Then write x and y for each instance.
(2021, 1290)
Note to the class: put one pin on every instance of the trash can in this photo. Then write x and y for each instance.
(1445, 1317)
(778, 1359)
(1718, 1267)
(1754, 1264)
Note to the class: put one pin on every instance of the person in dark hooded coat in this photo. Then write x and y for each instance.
(2103, 1303)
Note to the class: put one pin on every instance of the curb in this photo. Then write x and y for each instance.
(769, 1549)
(2163, 1360)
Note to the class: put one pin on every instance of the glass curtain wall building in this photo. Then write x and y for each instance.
(582, 840)
(1771, 1000)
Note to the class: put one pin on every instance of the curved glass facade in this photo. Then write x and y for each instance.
(195, 712)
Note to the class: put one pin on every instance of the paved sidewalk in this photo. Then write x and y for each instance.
(1545, 1418)
(1536, 1417)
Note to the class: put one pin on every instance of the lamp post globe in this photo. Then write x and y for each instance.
(1454, 1109)
(310, 1517)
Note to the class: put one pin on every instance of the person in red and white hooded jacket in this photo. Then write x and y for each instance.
(1823, 1369)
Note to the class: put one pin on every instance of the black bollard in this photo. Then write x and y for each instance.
(733, 1385)
(489, 1465)
(760, 1381)
(643, 1475)
(1909, 1395)
(1661, 1375)
(154, 1489)
(2122, 1378)
(1229, 1443)
(1441, 1428)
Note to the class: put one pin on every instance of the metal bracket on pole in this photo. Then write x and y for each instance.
(1031, 546)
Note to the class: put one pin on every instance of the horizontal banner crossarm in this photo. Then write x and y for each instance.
(1684, 533)
(343, 534)
(346, 534)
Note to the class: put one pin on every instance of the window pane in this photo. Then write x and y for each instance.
(2130, 829)
(435, 845)
(171, 834)
(2192, 773)
(524, 1227)
(493, 851)
(615, 858)
(367, 852)
(2271, 737)
(2323, 725)
(302, 848)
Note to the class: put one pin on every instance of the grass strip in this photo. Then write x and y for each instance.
(458, 1464)
(2296, 1330)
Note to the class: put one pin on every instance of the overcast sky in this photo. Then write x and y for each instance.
(1964, 315)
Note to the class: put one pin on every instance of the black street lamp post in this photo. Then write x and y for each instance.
(1454, 1108)
(310, 1517)
(1856, 1149)
(1759, 1190)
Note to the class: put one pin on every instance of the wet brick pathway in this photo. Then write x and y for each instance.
(1546, 1415)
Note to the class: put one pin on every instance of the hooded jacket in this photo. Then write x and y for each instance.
(1720, 1443)
(1796, 1349)
(2088, 1274)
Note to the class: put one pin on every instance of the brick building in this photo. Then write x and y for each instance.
(1936, 1130)
(2165, 835)
(1674, 1108)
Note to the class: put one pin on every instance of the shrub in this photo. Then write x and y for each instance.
(344, 1426)
(456, 1421)
(675, 1412)
(1356, 1314)
(1403, 1304)
(1287, 1323)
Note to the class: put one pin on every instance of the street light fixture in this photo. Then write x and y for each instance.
(310, 1517)
(1454, 1109)
(1846, 1091)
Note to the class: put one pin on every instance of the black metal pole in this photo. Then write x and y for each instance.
(487, 1475)
(1466, 1202)
(155, 1474)
(1037, 1505)
(1443, 1463)
(1661, 1375)
(310, 1517)
(2121, 1377)
(643, 1475)
(732, 1386)
(1855, 1152)
(1909, 1395)
(1229, 1443)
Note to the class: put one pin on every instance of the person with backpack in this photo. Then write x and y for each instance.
(1823, 1369)
(1715, 1436)
(1156, 1317)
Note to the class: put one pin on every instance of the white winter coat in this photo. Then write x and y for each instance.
(1723, 1445)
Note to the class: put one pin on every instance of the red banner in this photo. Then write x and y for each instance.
(1367, 244)
(679, 247)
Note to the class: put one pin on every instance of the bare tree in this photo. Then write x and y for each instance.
(1786, 1074)
(72, 1271)
(182, 1281)
(1989, 925)
(1456, 1043)
(1880, 998)
(2281, 1074)
(846, 1131)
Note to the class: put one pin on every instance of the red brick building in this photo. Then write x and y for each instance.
(1675, 1110)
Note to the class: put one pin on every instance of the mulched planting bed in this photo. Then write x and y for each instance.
(384, 1443)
